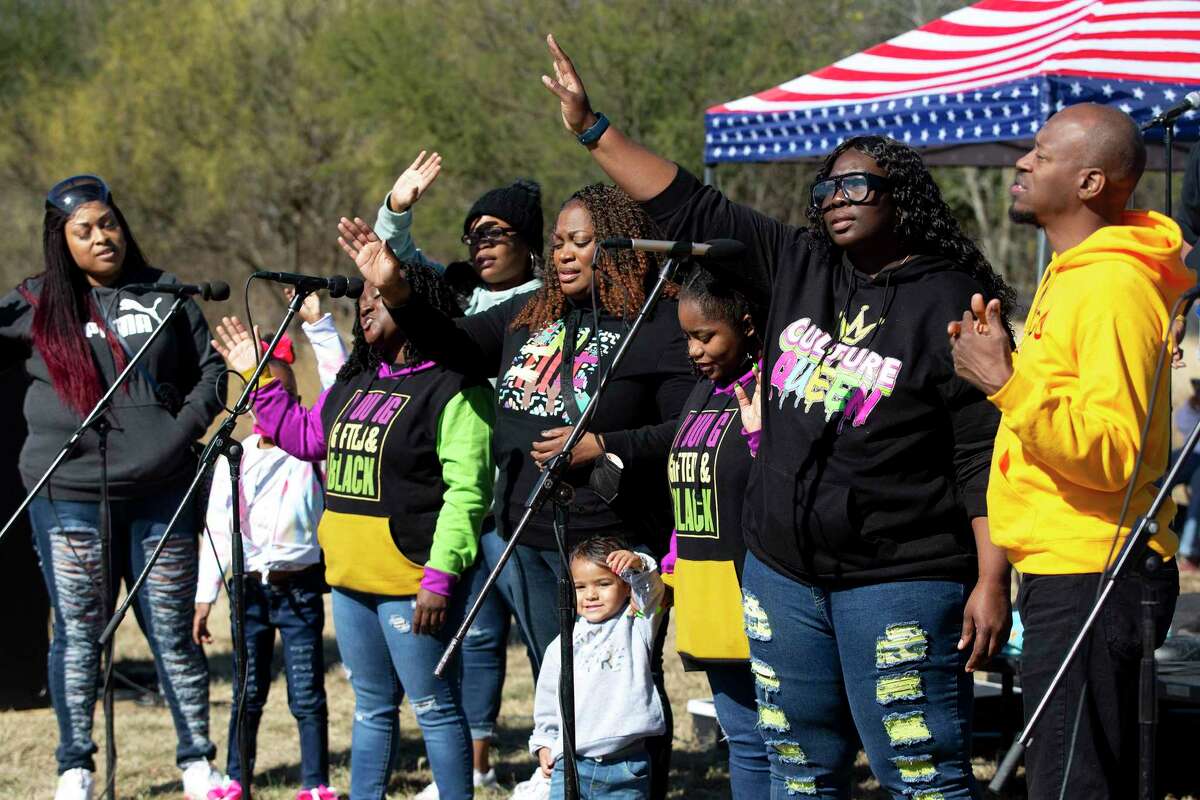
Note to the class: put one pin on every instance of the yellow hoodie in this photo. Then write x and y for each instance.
(1072, 413)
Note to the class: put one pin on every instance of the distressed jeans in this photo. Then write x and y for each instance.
(386, 661)
(297, 611)
(875, 662)
(68, 545)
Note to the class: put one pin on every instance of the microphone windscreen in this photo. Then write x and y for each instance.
(337, 286)
(217, 290)
(354, 288)
(725, 250)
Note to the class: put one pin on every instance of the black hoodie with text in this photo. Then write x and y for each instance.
(874, 455)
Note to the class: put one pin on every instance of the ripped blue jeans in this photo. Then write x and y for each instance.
(874, 662)
(387, 661)
(68, 545)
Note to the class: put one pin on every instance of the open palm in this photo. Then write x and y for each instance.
(236, 345)
(374, 259)
(412, 183)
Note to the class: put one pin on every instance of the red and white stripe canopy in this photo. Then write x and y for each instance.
(991, 72)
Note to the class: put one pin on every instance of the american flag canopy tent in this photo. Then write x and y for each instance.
(976, 84)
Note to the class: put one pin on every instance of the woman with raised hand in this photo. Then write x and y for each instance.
(545, 351)
(707, 470)
(871, 589)
(503, 234)
(406, 444)
(75, 326)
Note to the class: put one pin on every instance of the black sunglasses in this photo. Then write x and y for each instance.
(856, 187)
(485, 237)
(68, 195)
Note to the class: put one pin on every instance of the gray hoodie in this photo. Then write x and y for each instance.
(166, 404)
(616, 703)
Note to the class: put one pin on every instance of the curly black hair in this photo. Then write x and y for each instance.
(924, 222)
(622, 282)
(428, 285)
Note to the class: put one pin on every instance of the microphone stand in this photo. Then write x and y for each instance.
(1168, 145)
(550, 486)
(1135, 556)
(224, 444)
(96, 420)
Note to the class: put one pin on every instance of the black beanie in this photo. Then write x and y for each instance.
(519, 204)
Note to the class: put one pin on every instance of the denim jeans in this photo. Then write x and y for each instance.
(880, 660)
(733, 695)
(1053, 609)
(386, 661)
(297, 611)
(68, 544)
(485, 647)
(534, 583)
(599, 779)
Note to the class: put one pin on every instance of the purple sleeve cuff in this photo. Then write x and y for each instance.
(438, 582)
(667, 565)
(752, 438)
(296, 429)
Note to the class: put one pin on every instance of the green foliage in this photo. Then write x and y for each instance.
(235, 133)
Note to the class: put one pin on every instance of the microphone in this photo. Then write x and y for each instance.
(217, 290)
(338, 285)
(716, 250)
(1190, 101)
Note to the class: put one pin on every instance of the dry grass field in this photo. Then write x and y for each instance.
(146, 739)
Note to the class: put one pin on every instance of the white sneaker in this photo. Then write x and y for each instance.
(484, 780)
(430, 792)
(198, 778)
(536, 788)
(75, 784)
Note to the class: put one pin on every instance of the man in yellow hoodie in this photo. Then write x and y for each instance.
(1073, 402)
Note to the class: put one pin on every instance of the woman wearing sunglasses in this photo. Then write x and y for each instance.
(503, 235)
(871, 590)
(75, 326)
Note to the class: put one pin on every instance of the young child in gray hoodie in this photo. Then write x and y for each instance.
(617, 596)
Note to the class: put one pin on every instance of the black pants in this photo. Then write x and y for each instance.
(1053, 609)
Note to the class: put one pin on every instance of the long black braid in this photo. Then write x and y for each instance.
(924, 223)
(430, 287)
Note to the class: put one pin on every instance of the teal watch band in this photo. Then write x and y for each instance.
(593, 134)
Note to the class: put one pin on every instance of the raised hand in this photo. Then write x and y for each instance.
(235, 344)
(750, 407)
(412, 183)
(624, 562)
(310, 309)
(375, 260)
(572, 97)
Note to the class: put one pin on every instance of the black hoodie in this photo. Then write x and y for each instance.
(166, 404)
(874, 454)
(637, 414)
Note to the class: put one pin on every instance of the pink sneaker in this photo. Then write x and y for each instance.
(321, 792)
(228, 790)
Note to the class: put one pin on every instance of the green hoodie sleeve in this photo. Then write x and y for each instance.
(464, 447)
